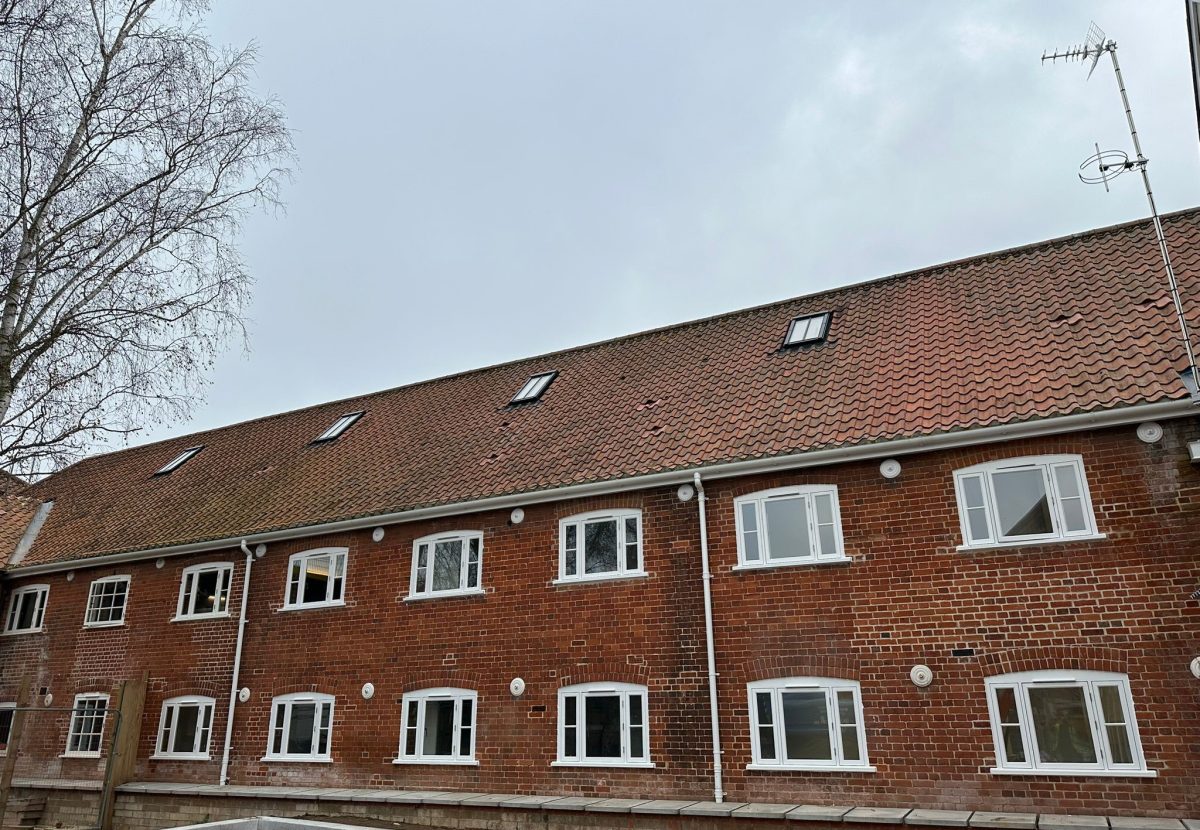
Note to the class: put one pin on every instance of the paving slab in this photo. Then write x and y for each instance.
(712, 808)
(1192, 823)
(1005, 821)
(486, 800)
(939, 818)
(1050, 821)
(817, 812)
(528, 802)
(409, 796)
(571, 802)
(369, 795)
(615, 805)
(757, 809)
(877, 815)
(1119, 823)
(450, 799)
(334, 794)
(662, 807)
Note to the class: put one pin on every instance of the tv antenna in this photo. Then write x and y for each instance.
(1105, 165)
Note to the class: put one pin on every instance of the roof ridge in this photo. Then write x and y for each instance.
(928, 270)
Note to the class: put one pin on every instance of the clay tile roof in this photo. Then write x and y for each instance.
(1071, 325)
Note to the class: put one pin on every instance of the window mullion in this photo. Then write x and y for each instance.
(777, 726)
(1096, 719)
(456, 728)
(1056, 520)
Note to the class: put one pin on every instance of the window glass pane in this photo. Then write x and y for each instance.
(750, 531)
(826, 537)
(294, 579)
(223, 593)
(185, 729)
(439, 728)
(27, 607)
(1113, 709)
(207, 583)
(1070, 497)
(316, 579)
(848, 718)
(569, 748)
(1010, 728)
(631, 547)
(473, 565)
(410, 729)
(1061, 725)
(300, 733)
(787, 528)
(637, 730)
(806, 726)
(447, 565)
(766, 730)
(572, 536)
(466, 720)
(602, 721)
(977, 524)
(600, 547)
(1022, 507)
(323, 730)
(277, 740)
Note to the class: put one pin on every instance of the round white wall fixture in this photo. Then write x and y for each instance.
(260, 550)
(1195, 667)
(889, 468)
(158, 563)
(517, 516)
(244, 694)
(70, 576)
(1150, 432)
(517, 687)
(368, 691)
(921, 675)
(48, 699)
(377, 534)
(685, 492)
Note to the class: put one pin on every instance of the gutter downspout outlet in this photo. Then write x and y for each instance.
(237, 665)
(714, 714)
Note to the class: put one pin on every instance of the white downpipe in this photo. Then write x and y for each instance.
(237, 665)
(713, 711)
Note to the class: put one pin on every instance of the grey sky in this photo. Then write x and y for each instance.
(485, 181)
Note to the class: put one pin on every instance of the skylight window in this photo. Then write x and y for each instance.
(179, 460)
(339, 426)
(808, 328)
(534, 387)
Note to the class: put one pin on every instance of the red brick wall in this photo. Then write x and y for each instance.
(907, 597)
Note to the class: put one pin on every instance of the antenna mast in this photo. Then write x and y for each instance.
(1112, 163)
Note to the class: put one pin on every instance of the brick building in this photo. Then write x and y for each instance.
(949, 518)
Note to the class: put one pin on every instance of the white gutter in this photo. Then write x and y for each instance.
(837, 455)
(713, 712)
(237, 665)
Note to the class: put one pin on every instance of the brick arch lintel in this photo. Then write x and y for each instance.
(844, 666)
(1041, 658)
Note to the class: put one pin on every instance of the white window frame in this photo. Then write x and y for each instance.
(533, 389)
(8, 706)
(831, 686)
(801, 331)
(1090, 682)
(169, 720)
(285, 703)
(1047, 464)
(331, 587)
(178, 461)
(809, 493)
(579, 521)
(459, 755)
(41, 594)
(416, 591)
(335, 430)
(580, 692)
(76, 722)
(185, 609)
(87, 613)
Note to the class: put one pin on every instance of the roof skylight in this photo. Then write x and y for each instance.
(808, 328)
(338, 427)
(179, 460)
(534, 387)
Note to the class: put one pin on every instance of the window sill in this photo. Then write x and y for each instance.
(473, 592)
(1083, 773)
(800, 563)
(437, 762)
(608, 764)
(157, 757)
(104, 625)
(799, 768)
(314, 606)
(85, 755)
(1025, 543)
(200, 617)
(289, 759)
(605, 577)
(21, 631)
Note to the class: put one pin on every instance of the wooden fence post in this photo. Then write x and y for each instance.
(131, 700)
(14, 745)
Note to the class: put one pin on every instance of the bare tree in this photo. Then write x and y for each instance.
(130, 150)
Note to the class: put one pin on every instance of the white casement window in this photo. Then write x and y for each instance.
(185, 728)
(204, 591)
(107, 598)
(7, 711)
(600, 545)
(1020, 500)
(438, 727)
(301, 727)
(85, 737)
(446, 564)
(26, 609)
(316, 578)
(1067, 722)
(603, 724)
(789, 526)
(807, 723)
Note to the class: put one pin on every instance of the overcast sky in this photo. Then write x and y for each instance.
(482, 181)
